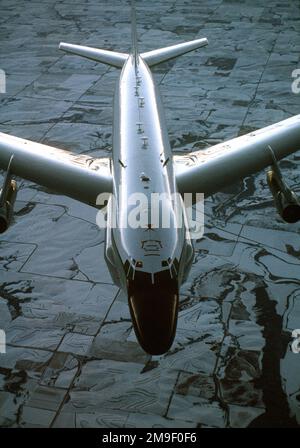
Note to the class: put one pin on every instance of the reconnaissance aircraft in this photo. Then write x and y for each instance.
(148, 263)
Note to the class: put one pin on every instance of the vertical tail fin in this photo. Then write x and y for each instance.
(134, 50)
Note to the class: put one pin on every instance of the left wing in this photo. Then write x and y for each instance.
(208, 171)
(75, 175)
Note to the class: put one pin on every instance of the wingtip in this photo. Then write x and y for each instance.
(204, 41)
(62, 46)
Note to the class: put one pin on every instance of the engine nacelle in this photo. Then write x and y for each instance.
(286, 201)
(8, 196)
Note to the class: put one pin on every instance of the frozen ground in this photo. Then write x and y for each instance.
(72, 358)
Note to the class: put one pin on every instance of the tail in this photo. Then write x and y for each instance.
(117, 59)
(134, 49)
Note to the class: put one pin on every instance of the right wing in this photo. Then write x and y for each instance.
(208, 171)
(75, 175)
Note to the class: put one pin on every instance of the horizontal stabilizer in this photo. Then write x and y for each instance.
(105, 56)
(164, 54)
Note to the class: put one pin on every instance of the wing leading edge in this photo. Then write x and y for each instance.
(208, 171)
(78, 176)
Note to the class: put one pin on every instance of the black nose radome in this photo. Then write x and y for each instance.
(154, 319)
(3, 224)
(154, 311)
(291, 213)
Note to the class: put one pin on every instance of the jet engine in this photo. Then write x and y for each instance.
(286, 201)
(8, 195)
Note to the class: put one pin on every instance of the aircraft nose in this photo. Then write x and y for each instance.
(154, 314)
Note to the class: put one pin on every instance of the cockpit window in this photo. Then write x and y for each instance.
(162, 280)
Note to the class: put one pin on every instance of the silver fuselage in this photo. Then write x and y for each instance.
(148, 262)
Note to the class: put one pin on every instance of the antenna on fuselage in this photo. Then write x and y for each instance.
(135, 51)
